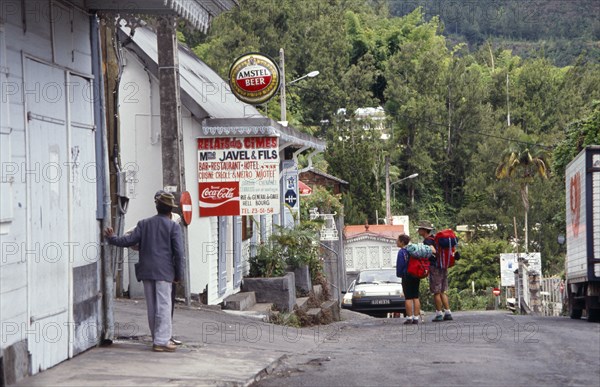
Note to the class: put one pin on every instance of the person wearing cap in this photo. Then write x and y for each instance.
(177, 219)
(438, 276)
(161, 264)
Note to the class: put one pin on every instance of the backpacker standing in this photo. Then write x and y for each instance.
(410, 284)
(438, 278)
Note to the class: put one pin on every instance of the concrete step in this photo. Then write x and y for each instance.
(314, 315)
(318, 291)
(302, 303)
(240, 301)
(261, 307)
(333, 309)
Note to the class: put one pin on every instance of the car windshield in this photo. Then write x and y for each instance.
(378, 276)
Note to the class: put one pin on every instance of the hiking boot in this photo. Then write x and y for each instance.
(408, 321)
(438, 318)
(170, 347)
(175, 341)
(448, 317)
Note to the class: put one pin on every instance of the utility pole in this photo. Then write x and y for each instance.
(388, 209)
(282, 100)
(171, 130)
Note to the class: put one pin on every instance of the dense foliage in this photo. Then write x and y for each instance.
(452, 109)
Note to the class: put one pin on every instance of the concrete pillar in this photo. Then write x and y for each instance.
(534, 293)
(171, 130)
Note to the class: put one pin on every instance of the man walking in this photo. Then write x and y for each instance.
(438, 277)
(161, 264)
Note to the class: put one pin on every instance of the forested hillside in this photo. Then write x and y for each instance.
(556, 29)
(448, 105)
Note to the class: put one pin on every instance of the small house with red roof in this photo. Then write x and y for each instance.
(371, 246)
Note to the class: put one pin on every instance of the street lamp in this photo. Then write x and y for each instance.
(387, 196)
(282, 99)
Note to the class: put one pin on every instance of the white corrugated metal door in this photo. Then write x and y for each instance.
(47, 181)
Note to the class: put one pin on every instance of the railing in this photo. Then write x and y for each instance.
(535, 295)
(552, 296)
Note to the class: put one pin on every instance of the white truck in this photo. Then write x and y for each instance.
(582, 178)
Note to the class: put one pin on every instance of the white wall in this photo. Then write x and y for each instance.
(203, 234)
(370, 254)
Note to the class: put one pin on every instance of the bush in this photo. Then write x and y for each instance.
(268, 262)
(291, 247)
(287, 319)
(458, 299)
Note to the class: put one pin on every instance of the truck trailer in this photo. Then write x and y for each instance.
(582, 263)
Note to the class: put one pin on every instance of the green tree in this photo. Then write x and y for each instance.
(479, 262)
(523, 166)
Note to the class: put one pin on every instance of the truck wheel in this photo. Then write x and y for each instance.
(593, 315)
(575, 314)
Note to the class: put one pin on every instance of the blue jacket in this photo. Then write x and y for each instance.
(401, 262)
(161, 248)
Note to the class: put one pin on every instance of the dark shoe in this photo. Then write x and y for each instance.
(164, 348)
(448, 317)
(408, 322)
(175, 341)
(438, 318)
(415, 320)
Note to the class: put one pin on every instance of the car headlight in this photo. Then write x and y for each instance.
(347, 301)
(359, 294)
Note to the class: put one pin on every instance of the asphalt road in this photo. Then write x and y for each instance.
(476, 349)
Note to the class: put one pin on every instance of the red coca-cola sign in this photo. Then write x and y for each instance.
(219, 199)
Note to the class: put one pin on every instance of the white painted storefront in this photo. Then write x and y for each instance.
(50, 307)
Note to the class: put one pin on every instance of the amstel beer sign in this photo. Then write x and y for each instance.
(254, 78)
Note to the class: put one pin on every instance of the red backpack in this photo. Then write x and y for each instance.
(445, 245)
(418, 267)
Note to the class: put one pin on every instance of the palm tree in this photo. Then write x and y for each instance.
(523, 166)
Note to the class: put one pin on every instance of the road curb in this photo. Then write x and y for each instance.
(268, 370)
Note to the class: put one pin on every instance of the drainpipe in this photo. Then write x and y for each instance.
(103, 202)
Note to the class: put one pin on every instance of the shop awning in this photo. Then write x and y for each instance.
(261, 126)
(198, 13)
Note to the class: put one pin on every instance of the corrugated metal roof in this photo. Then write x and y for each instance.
(210, 99)
(261, 126)
(326, 175)
(199, 13)
(381, 230)
(203, 91)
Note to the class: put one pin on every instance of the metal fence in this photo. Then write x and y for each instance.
(552, 296)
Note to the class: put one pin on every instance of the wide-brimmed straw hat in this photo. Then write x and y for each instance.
(167, 199)
(426, 225)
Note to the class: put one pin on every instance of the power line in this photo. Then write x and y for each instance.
(476, 132)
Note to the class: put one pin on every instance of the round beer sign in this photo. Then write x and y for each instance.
(254, 78)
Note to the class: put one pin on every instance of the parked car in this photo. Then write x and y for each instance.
(347, 298)
(376, 292)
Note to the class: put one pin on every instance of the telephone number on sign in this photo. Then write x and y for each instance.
(255, 211)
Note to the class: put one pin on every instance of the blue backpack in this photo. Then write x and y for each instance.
(419, 250)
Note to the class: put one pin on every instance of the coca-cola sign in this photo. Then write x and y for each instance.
(214, 194)
(254, 78)
(219, 199)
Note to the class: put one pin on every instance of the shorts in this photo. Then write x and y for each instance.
(438, 280)
(410, 285)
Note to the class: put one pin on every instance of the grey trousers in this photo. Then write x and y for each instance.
(158, 304)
